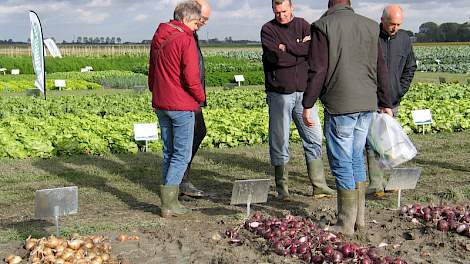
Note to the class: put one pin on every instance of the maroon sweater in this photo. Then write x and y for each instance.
(285, 72)
(174, 77)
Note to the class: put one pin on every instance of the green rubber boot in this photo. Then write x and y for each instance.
(361, 188)
(347, 212)
(282, 180)
(170, 203)
(317, 178)
(376, 175)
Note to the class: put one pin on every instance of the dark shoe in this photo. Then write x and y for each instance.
(376, 175)
(170, 204)
(347, 212)
(187, 188)
(361, 205)
(316, 175)
(282, 181)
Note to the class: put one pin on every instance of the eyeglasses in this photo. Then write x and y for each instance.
(203, 20)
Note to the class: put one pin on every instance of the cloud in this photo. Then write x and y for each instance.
(237, 18)
(90, 17)
(140, 17)
(100, 3)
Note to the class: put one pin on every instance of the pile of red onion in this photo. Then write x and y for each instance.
(294, 236)
(445, 217)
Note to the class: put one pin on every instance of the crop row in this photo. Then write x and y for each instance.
(66, 125)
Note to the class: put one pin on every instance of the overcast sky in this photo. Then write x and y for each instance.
(240, 19)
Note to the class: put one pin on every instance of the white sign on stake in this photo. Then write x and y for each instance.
(145, 132)
(239, 79)
(15, 71)
(422, 117)
(59, 84)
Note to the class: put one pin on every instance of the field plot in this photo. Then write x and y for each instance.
(118, 195)
(83, 135)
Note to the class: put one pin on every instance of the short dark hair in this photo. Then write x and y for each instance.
(279, 2)
(332, 3)
(189, 10)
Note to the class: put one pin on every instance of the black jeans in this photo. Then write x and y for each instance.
(199, 134)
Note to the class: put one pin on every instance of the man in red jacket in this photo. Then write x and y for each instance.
(174, 80)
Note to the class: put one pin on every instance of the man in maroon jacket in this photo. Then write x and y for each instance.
(174, 80)
(285, 41)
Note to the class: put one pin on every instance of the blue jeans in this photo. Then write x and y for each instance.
(282, 109)
(345, 141)
(177, 129)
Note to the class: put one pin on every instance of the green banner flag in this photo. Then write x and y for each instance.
(37, 51)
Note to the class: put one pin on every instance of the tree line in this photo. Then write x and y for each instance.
(446, 32)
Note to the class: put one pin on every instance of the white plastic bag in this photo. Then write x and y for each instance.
(387, 138)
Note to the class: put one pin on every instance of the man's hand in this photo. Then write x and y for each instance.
(308, 121)
(387, 111)
(282, 47)
(307, 38)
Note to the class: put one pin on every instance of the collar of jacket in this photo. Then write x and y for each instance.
(384, 34)
(338, 8)
(284, 25)
(182, 26)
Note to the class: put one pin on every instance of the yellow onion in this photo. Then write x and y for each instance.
(48, 252)
(30, 244)
(97, 239)
(74, 244)
(59, 250)
(48, 259)
(105, 257)
(12, 259)
(121, 238)
(53, 242)
(133, 238)
(89, 245)
(35, 259)
(59, 261)
(68, 254)
(97, 260)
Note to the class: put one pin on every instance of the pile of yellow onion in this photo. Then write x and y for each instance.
(78, 249)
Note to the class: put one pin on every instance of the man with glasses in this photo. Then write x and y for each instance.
(186, 187)
(285, 40)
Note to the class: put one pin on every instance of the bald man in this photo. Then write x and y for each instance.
(186, 187)
(398, 53)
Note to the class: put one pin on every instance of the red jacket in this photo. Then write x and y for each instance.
(174, 78)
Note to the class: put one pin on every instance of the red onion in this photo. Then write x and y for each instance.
(372, 253)
(337, 256)
(427, 217)
(461, 228)
(443, 225)
(302, 249)
(399, 261)
(293, 249)
(317, 259)
(426, 210)
(404, 210)
(327, 251)
(347, 250)
(306, 257)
